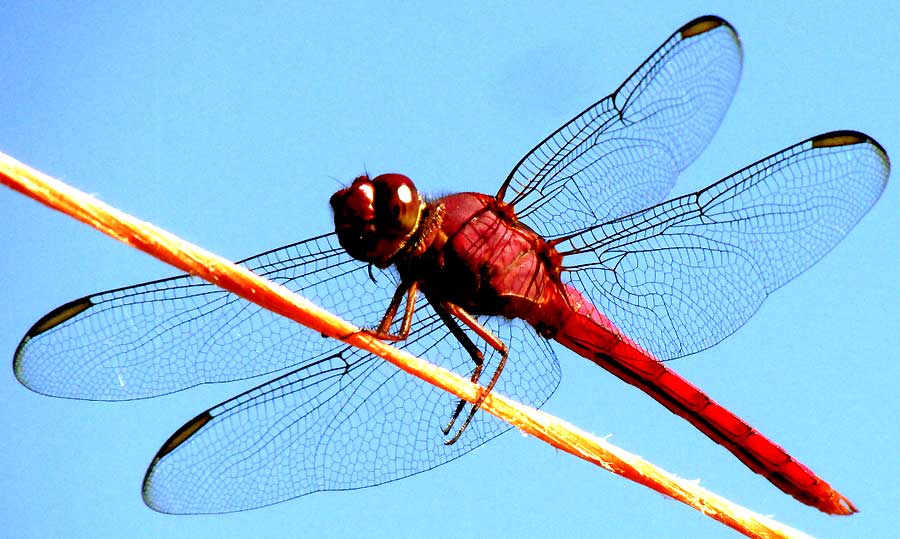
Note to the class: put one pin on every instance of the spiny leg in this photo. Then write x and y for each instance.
(444, 310)
(383, 330)
(471, 349)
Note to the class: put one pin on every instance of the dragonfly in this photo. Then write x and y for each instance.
(578, 245)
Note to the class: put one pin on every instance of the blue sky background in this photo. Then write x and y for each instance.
(231, 125)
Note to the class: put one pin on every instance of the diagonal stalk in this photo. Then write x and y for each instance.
(241, 281)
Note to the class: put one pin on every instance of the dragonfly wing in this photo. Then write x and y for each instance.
(681, 276)
(167, 335)
(343, 420)
(625, 152)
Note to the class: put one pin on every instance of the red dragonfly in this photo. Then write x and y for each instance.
(565, 250)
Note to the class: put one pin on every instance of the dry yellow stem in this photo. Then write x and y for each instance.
(223, 273)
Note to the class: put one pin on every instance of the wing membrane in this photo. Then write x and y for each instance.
(340, 419)
(345, 420)
(168, 335)
(681, 276)
(625, 152)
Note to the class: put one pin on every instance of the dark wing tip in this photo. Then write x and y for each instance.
(59, 315)
(704, 24)
(182, 435)
(178, 438)
(47, 322)
(844, 137)
(848, 138)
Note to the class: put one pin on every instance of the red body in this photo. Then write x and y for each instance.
(474, 253)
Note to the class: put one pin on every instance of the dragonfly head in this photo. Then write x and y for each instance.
(375, 218)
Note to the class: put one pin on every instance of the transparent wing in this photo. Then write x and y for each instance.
(681, 276)
(340, 419)
(167, 335)
(344, 420)
(625, 152)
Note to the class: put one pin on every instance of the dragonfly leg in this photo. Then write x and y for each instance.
(383, 330)
(445, 310)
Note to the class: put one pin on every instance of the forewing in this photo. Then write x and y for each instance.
(625, 152)
(167, 335)
(681, 276)
(343, 420)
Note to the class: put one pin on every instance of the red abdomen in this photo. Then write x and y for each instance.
(593, 336)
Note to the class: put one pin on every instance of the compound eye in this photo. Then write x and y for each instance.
(397, 203)
(355, 202)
